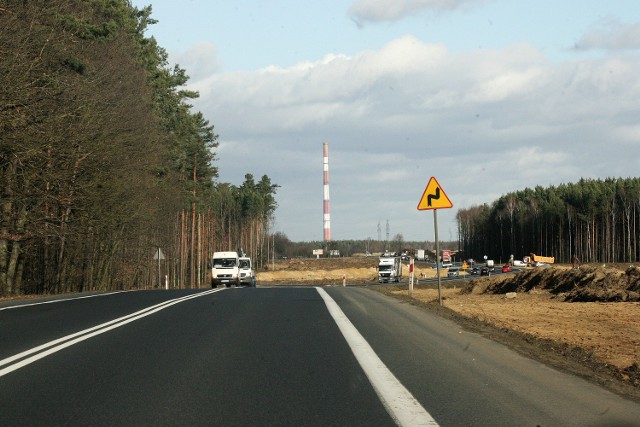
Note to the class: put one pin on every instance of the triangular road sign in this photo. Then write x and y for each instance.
(434, 197)
(159, 255)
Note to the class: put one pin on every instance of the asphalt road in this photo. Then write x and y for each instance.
(273, 356)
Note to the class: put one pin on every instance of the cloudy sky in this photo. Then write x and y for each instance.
(488, 96)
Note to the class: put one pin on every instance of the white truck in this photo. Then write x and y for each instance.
(225, 269)
(420, 254)
(389, 269)
(247, 274)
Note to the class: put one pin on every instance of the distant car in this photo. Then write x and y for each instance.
(506, 268)
(453, 272)
(484, 271)
(475, 270)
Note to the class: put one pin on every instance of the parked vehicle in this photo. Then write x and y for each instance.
(453, 272)
(491, 265)
(389, 269)
(247, 274)
(225, 269)
(484, 271)
(475, 270)
(506, 268)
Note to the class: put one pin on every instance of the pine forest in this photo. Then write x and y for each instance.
(591, 221)
(107, 174)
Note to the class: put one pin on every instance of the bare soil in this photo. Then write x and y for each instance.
(584, 320)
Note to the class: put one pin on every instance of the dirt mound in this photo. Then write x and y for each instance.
(586, 284)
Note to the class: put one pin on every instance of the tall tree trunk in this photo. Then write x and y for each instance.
(192, 280)
(6, 208)
(12, 268)
(183, 245)
(199, 252)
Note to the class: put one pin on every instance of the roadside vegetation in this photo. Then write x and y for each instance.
(588, 221)
(103, 160)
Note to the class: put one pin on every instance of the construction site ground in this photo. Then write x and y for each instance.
(582, 320)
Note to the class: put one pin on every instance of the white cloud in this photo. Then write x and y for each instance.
(200, 60)
(484, 123)
(611, 35)
(395, 10)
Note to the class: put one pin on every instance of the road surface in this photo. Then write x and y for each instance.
(273, 356)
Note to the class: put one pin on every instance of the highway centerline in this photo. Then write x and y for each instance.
(397, 400)
(56, 345)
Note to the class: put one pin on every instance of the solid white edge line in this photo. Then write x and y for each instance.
(397, 400)
(11, 307)
(83, 335)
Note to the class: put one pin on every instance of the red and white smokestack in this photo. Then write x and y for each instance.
(327, 216)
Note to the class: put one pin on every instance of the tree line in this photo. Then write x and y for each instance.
(284, 247)
(589, 221)
(103, 160)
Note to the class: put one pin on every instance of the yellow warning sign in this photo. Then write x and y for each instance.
(434, 197)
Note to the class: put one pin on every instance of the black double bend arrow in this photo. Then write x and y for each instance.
(433, 196)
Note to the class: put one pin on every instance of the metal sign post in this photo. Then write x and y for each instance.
(159, 256)
(411, 265)
(435, 226)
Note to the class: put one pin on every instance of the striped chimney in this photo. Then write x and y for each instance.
(327, 216)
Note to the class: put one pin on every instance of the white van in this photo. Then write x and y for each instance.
(247, 275)
(225, 269)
